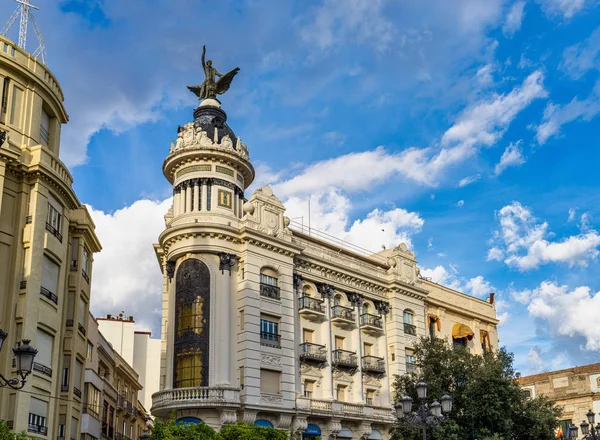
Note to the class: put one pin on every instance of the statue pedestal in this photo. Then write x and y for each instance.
(209, 102)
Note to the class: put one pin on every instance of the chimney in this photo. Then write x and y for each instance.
(492, 297)
(130, 318)
(108, 316)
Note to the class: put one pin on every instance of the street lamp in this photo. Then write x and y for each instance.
(24, 355)
(587, 427)
(431, 415)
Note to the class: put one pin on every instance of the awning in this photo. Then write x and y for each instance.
(264, 423)
(345, 433)
(438, 321)
(375, 435)
(460, 331)
(186, 421)
(312, 429)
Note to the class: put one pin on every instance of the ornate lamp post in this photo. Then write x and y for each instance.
(426, 415)
(24, 354)
(587, 428)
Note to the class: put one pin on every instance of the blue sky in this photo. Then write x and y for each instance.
(468, 129)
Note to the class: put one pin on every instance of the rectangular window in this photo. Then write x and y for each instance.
(82, 312)
(15, 106)
(78, 375)
(410, 361)
(38, 413)
(266, 279)
(74, 253)
(242, 377)
(4, 102)
(307, 335)
(50, 271)
(309, 388)
(339, 343)
(64, 385)
(392, 353)
(370, 397)
(208, 197)
(242, 319)
(45, 128)
(90, 352)
(93, 400)
(408, 317)
(270, 381)
(85, 263)
(367, 348)
(340, 393)
(74, 426)
(43, 343)
(269, 332)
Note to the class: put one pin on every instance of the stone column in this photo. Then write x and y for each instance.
(223, 364)
(176, 201)
(328, 378)
(357, 303)
(196, 195)
(203, 197)
(188, 197)
(234, 202)
(385, 393)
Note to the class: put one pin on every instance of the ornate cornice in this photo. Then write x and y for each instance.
(211, 181)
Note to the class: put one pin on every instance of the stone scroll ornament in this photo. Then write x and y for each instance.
(2, 137)
(383, 307)
(226, 262)
(211, 87)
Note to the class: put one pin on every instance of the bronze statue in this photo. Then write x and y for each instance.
(211, 88)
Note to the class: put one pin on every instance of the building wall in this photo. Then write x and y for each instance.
(119, 331)
(51, 310)
(146, 362)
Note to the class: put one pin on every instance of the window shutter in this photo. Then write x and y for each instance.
(78, 373)
(43, 343)
(82, 307)
(270, 381)
(38, 407)
(50, 275)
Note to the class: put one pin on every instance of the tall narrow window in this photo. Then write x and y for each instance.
(82, 316)
(38, 413)
(77, 378)
(270, 381)
(4, 102)
(392, 353)
(242, 377)
(15, 106)
(74, 253)
(49, 286)
(45, 128)
(307, 335)
(269, 332)
(410, 362)
(339, 343)
(208, 196)
(370, 397)
(309, 388)
(85, 263)
(340, 393)
(43, 359)
(367, 349)
(64, 384)
(409, 327)
(90, 351)
(74, 428)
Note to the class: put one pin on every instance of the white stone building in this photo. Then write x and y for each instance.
(266, 323)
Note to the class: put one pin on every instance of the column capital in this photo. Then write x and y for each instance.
(355, 299)
(226, 261)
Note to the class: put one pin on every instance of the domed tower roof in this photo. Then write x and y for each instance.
(209, 117)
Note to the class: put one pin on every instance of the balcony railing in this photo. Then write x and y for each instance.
(54, 231)
(85, 275)
(410, 329)
(81, 328)
(344, 358)
(64, 387)
(77, 392)
(69, 323)
(73, 266)
(373, 364)
(306, 302)
(37, 429)
(51, 296)
(313, 352)
(42, 369)
(269, 291)
(23, 284)
(368, 320)
(341, 312)
(270, 339)
(164, 402)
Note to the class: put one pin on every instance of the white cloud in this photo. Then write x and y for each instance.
(555, 116)
(558, 304)
(126, 273)
(468, 180)
(514, 18)
(526, 243)
(582, 57)
(584, 224)
(534, 357)
(477, 286)
(563, 8)
(572, 212)
(485, 75)
(439, 275)
(495, 254)
(430, 243)
(512, 157)
(460, 203)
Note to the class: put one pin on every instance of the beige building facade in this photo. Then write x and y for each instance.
(576, 390)
(267, 322)
(47, 242)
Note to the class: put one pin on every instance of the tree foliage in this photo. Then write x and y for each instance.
(6, 434)
(170, 430)
(487, 401)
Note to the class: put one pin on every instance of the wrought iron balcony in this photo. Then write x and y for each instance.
(42, 369)
(77, 392)
(37, 429)
(51, 296)
(81, 328)
(313, 352)
(342, 313)
(311, 306)
(373, 364)
(54, 231)
(85, 275)
(269, 291)
(410, 329)
(270, 339)
(371, 322)
(344, 359)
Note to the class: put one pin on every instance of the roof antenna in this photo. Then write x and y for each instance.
(24, 11)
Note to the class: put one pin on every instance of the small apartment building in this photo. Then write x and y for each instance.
(47, 242)
(576, 389)
(130, 420)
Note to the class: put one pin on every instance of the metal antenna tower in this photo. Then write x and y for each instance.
(24, 11)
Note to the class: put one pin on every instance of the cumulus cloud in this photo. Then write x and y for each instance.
(477, 286)
(514, 17)
(126, 274)
(555, 116)
(468, 180)
(526, 243)
(512, 157)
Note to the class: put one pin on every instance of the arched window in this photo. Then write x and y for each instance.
(409, 327)
(268, 283)
(526, 393)
(366, 308)
(306, 291)
(192, 324)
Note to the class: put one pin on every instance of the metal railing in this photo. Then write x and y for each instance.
(341, 312)
(51, 296)
(81, 328)
(77, 392)
(42, 369)
(306, 302)
(366, 319)
(37, 429)
(69, 323)
(270, 339)
(85, 275)
(269, 291)
(73, 266)
(410, 329)
(23, 284)
(313, 352)
(373, 364)
(344, 358)
(53, 231)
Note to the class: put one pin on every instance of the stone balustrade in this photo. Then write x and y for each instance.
(196, 397)
(344, 409)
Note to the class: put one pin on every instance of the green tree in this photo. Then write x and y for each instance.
(487, 401)
(6, 434)
(170, 430)
(244, 431)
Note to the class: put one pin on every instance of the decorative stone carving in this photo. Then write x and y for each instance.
(228, 417)
(364, 430)
(2, 137)
(334, 426)
(267, 215)
(170, 269)
(271, 399)
(355, 299)
(300, 424)
(326, 290)
(226, 262)
(383, 307)
(269, 359)
(248, 417)
(298, 283)
(191, 136)
(284, 422)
